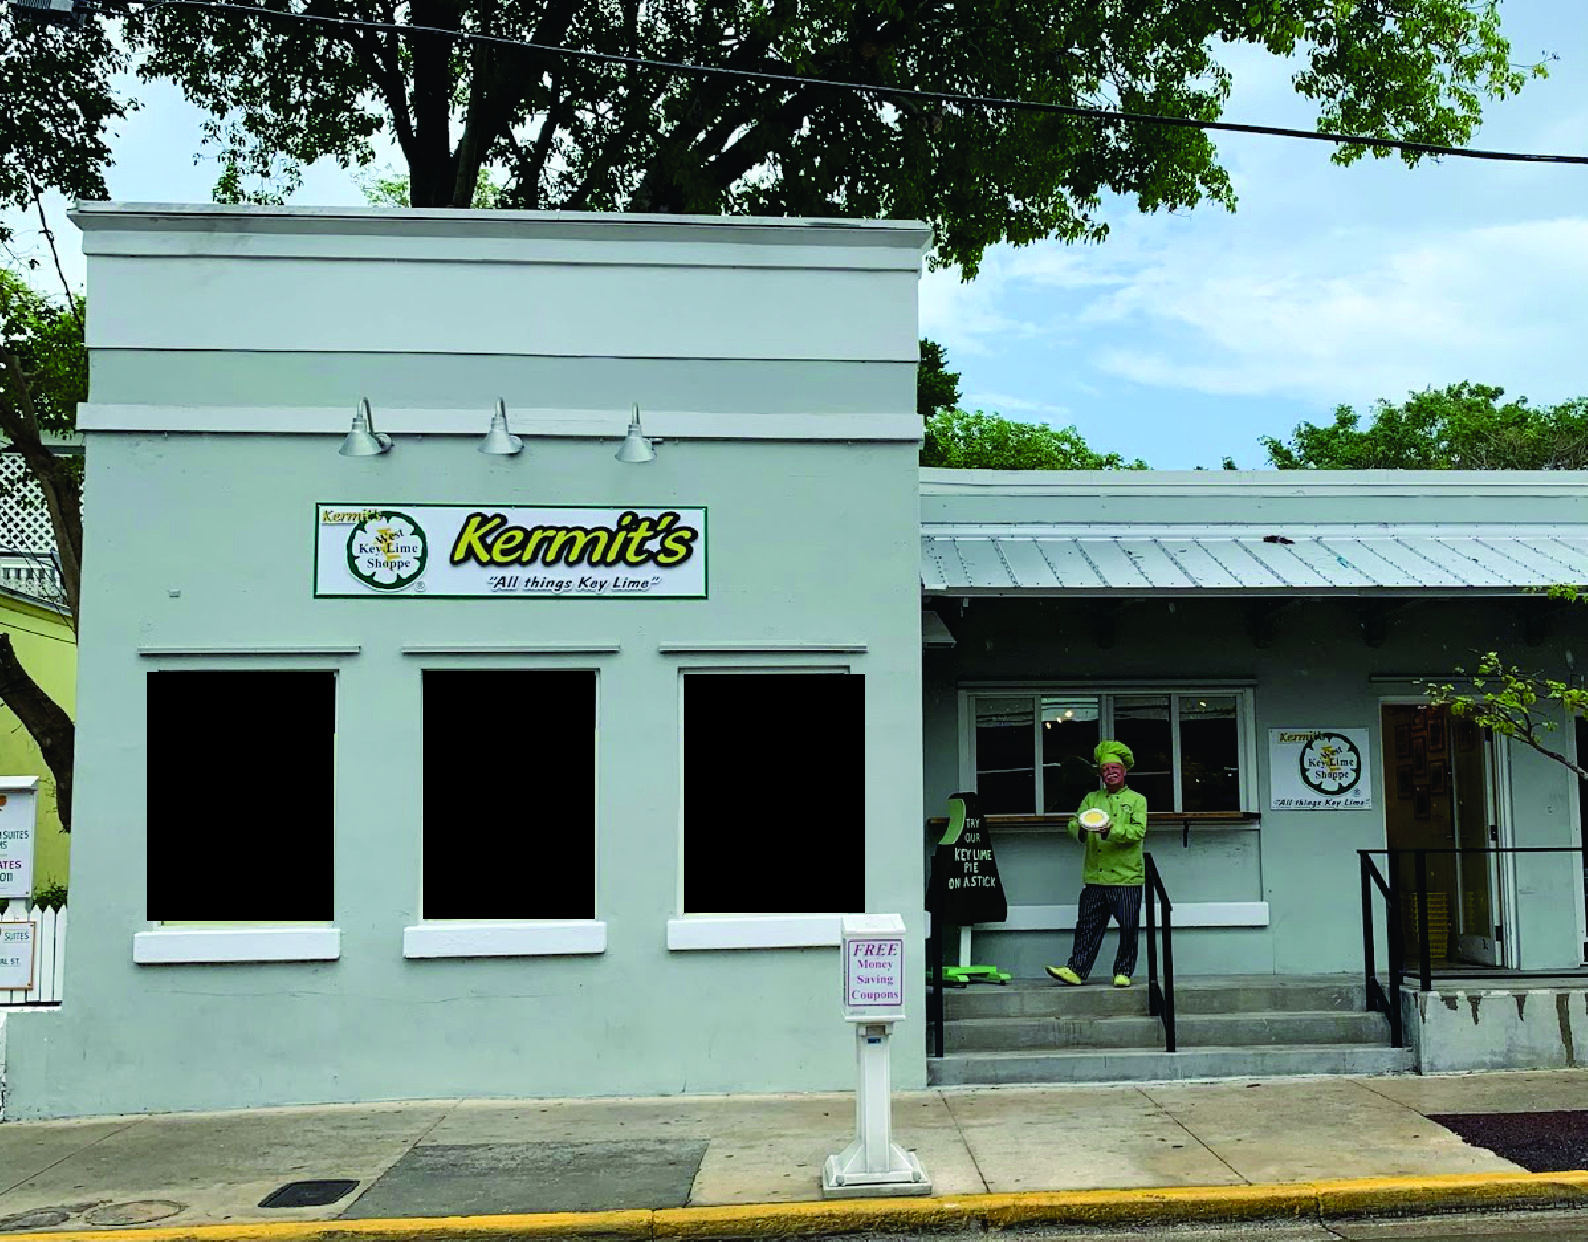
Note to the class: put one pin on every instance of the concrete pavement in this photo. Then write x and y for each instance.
(1232, 1142)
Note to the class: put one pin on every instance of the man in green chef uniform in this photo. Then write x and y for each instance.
(1114, 872)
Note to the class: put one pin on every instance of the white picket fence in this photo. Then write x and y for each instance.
(49, 961)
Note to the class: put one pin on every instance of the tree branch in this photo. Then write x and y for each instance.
(46, 722)
(62, 497)
(55, 255)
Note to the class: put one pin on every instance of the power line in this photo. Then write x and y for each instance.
(888, 92)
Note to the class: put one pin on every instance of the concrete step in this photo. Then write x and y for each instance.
(1192, 1030)
(1148, 1065)
(1033, 998)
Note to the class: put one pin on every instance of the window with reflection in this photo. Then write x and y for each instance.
(1069, 736)
(1210, 753)
(1033, 752)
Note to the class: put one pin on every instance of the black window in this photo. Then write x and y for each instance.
(241, 796)
(774, 793)
(509, 795)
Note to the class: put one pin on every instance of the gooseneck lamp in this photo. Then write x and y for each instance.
(637, 446)
(499, 441)
(362, 439)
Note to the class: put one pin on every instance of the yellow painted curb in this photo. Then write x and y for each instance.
(1162, 1205)
(828, 1216)
(1159, 1205)
(1449, 1192)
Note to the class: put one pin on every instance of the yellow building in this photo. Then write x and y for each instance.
(42, 635)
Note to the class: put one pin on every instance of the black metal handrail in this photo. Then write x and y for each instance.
(934, 992)
(1160, 998)
(1425, 966)
(1387, 1003)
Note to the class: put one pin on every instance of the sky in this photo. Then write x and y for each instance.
(1185, 336)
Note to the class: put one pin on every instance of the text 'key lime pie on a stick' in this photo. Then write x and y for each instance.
(1094, 819)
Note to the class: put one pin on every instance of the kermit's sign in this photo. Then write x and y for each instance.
(507, 551)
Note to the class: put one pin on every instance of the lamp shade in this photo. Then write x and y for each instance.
(636, 446)
(362, 440)
(499, 441)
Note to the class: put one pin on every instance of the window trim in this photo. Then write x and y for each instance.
(168, 946)
(462, 938)
(1245, 721)
(442, 938)
(724, 930)
(201, 941)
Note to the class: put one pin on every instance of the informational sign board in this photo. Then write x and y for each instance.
(873, 947)
(1319, 770)
(19, 944)
(508, 552)
(18, 835)
(965, 887)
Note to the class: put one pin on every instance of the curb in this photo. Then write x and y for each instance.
(1166, 1205)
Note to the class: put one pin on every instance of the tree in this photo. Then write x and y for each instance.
(43, 375)
(56, 97)
(1508, 699)
(1460, 427)
(936, 387)
(564, 131)
(963, 441)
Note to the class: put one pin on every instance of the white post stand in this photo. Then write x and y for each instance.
(873, 1165)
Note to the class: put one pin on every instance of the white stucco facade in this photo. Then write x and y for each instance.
(776, 361)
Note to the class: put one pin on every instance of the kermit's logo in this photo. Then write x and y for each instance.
(1330, 764)
(387, 550)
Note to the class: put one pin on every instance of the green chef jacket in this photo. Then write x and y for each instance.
(1116, 861)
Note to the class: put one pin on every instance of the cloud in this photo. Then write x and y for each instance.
(970, 318)
(1360, 313)
(1007, 404)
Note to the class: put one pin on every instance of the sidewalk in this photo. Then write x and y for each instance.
(639, 1156)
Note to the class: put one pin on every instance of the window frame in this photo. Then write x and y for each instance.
(241, 941)
(1106, 693)
(688, 932)
(435, 938)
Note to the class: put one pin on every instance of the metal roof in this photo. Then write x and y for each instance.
(1249, 560)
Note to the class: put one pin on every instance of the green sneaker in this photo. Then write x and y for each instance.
(1121, 981)
(1065, 975)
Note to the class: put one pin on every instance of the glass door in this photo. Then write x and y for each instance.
(1442, 795)
(1476, 788)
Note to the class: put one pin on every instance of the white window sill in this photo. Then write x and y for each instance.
(1185, 914)
(244, 944)
(573, 938)
(755, 931)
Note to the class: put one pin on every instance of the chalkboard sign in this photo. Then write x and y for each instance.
(965, 887)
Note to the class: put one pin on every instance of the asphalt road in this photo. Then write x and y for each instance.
(1489, 1227)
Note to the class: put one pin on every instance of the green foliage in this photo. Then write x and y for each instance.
(50, 896)
(45, 335)
(387, 188)
(47, 896)
(936, 387)
(1461, 427)
(958, 440)
(1507, 699)
(574, 134)
(56, 104)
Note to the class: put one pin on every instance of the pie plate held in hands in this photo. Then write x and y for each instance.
(1094, 819)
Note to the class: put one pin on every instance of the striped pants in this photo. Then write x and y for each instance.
(1098, 902)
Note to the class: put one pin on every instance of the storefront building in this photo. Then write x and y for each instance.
(576, 821)
(1229, 628)
(434, 772)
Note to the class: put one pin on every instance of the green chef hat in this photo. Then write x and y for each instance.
(1114, 752)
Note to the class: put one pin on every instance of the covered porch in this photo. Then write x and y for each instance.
(1215, 624)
